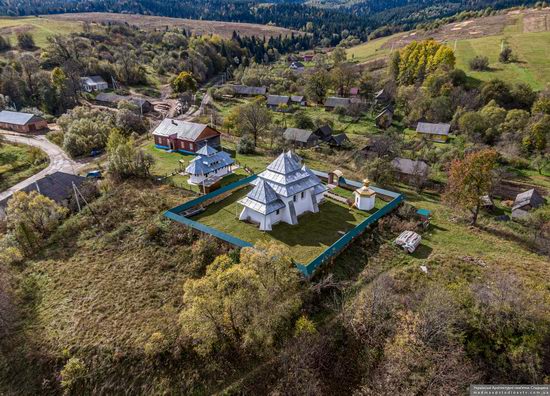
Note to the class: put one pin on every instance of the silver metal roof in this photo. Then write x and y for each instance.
(275, 100)
(283, 164)
(16, 118)
(334, 101)
(262, 198)
(246, 90)
(182, 129)
(92, 80)
(203, 165)
(529, 197)
(207, 150)
(297, 135)
(433, 129)
(410, 167)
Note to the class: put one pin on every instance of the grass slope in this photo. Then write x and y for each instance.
(16, 164)
(531, 49)
(40, 28)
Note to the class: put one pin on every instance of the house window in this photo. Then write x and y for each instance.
(295, 198)
(302, 195)
(278, 211)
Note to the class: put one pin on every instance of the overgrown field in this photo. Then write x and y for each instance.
(108, 281)
(18, 162)
(224, 29)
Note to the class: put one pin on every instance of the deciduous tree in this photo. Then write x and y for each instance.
(242, 305)
(254, 118)
(470, 179)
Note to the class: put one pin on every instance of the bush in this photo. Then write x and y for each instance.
(72, 372)
(246, 145)
(506, 55)
(25, 41)
(479, 63)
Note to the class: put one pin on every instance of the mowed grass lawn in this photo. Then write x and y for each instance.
(310, 237)
(40, 28)
(18, 162)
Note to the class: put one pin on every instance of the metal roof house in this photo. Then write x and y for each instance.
(274, 101)
(93, 83)
(281, 193)
(525, 202)
(184, 136)
(435, 132)
(298, 100)
(338, 140)
(21, 122)
(58, 187)
(244, 90)
(408, 169)
(209, 166)
(300, 137)
(333, 102)
(324, 132)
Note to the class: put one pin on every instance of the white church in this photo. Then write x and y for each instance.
(282, 192)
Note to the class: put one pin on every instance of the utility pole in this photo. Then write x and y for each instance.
(76, 196)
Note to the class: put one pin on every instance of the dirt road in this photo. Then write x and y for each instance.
(59, 161)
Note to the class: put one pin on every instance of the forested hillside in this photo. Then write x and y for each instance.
(327, 20)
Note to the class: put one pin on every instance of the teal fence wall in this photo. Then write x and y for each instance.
(337, 247)
(308, 269)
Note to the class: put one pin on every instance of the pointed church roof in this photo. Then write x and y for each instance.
(291, 154)
(207, 150)
(263, 193)
(284, 164)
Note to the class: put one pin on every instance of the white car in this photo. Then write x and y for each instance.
(409, 241)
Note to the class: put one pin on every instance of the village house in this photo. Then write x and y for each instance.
(297, 66)
(325, 133)
(184, 136)
(112, 100)
(525, 202)
(338, 140)
(277, 102)
(21, 122)
(300, 137)
(57, 186)
(281, 193)
(385, 118)
(298, 100)
(333, 102)
(209, 166)
(410, 171)
(435, 132)
(244, 90)
(93, 83)
(382, 98)
(308, 57)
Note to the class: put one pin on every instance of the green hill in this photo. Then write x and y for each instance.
(526, 32)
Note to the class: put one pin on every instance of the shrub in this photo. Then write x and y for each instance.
(72, 373)
(505, 55)
(156, 345)
(25, 41)
(246, 145)
(479, 63)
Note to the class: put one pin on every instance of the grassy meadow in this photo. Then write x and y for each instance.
(532, 51)
(40, 28)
